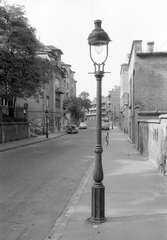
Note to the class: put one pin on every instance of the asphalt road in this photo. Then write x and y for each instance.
(37, 182)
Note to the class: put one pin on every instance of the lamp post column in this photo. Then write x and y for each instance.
(98, 189)
(46, 124)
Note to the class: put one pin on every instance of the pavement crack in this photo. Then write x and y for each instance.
(19, 223)
(21, 233)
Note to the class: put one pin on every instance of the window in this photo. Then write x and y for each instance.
(3, 102)
(153, 134)
(57, 104)
(47, 101)
(157, 134)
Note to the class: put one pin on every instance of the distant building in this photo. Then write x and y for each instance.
(110, 106)
(91, 115)
(114, 104)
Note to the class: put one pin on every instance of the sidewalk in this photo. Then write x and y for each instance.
(29, 141)
(135, 204)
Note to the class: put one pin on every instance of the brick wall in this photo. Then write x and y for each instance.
(151, 82)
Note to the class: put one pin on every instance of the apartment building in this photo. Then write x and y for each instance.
(91, 115)
(62, 85)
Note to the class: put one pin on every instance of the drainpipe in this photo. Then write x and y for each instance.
(133, 109)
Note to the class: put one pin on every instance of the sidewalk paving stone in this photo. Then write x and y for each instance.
(135, 199)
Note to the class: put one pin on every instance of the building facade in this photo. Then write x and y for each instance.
(124, 97)
(147, 84)
(49, 108)
(91, 115)
(114, 104)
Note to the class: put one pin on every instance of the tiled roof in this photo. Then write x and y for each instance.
(51, 47)
(43, 48)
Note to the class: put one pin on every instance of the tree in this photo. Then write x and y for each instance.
(22, 73)
(85, 102)
(73, 105)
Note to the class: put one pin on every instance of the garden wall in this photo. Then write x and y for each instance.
(11, 131)
(152, 139)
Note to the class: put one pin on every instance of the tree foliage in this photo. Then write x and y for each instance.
(77, 105)
(84, 100)
(73, 105)
(22, 73)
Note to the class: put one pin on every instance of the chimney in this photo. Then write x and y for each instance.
(150, 47)
(138, 46)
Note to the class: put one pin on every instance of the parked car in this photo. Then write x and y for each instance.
(105, 126)
(83, 125)
(106, 120)
(72, 129)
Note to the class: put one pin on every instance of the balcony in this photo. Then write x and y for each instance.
(90, 114)
(60, 89)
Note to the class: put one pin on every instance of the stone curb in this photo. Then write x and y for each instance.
(30, 143)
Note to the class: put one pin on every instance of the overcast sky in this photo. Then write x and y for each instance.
(66, 24)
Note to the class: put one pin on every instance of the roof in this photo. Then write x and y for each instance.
(43, 48)
(94, 101)
(123, 66)
(151, 54)
(145, 54)
(51, 47)
(65, 64)
(103, 100)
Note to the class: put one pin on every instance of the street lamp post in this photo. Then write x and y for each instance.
(98, 39)
(46, 124)
(24, 111)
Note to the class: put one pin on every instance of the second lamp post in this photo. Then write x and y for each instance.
(47, 134)
(98, 39)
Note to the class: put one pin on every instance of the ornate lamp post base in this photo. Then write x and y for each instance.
(98, 203)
